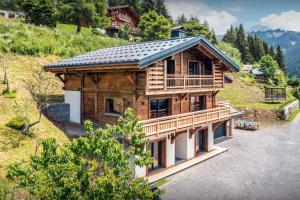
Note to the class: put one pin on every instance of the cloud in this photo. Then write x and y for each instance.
(220, 21)
(288, 20)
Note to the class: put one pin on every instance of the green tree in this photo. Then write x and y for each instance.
(40, 12)
(84, 13)
(154, 26)
(147, 6)
(271, 52)
(161, 9)
(230, 36)
(242, 44)
(280, 58)
(181, 20)
(268, 66)
(98, 166)
(233, 53)
(124, 32)
(194, 28)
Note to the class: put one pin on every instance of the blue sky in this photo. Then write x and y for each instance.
(284, 14)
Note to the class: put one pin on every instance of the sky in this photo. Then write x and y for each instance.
(220, 14)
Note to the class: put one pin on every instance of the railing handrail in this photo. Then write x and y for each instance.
(189, 76)
(148, 121)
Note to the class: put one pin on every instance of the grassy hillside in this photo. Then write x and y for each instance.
(14, 146)
(26, 49)
(247, 94)
(19, 38)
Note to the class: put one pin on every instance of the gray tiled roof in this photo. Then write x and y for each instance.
(143, 54)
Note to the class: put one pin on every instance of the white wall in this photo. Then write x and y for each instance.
(210, 137)
(190, 146)
(73, 98)
(185, 146)
(170, 153)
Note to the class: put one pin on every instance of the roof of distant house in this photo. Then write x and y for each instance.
(127, 7)
(256, 72)
(143, 54)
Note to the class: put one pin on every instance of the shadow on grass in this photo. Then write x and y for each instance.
(10, 138)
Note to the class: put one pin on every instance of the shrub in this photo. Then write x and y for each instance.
(19, 122)
(9, 94)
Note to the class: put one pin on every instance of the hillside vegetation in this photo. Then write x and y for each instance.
(19, 38)
(26, 49)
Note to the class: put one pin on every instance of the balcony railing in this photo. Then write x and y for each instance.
(189, 81)
(186, 120)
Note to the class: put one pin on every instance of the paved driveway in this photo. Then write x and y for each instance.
(264, 164)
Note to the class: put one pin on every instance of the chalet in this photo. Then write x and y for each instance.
(119, 16)
(171, 85)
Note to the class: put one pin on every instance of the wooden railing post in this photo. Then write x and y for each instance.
(184, 77)
(165, 75)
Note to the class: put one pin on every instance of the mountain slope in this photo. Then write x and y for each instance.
(289, 41)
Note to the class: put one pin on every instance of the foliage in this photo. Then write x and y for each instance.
(268, 66)
(252, 48)
(94, 167)
(233, 53)
(293, 115)
(84, 13)
(40, 12)
(5, 193)
(19, 122)
(280, 58)
(124, 32)
(9, 93)
(36, 41)
(154, 26)
(194, 27)
(293, 81)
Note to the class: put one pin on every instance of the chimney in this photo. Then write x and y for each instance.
(178, 32)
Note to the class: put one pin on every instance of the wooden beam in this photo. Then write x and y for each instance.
(194, 130)
(60, 78)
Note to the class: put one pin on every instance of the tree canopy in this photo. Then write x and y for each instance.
(154, 26)
(98, 166)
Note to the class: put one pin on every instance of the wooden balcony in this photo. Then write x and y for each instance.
(184, 121)
(180, 83)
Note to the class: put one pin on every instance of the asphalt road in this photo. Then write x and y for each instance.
(264, 164)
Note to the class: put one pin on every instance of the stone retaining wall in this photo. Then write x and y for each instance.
(290, 108)
(59, 112)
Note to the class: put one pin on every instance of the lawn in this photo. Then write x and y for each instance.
(246, 92)
(14, 146)
(72, 28)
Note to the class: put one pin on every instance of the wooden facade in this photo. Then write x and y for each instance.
(119, 16)
(129, 86)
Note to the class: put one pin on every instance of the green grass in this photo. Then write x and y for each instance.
(246, 92)
(23, 39)
(15, 146)
(161, 182)
(72, 28)
(293, 115)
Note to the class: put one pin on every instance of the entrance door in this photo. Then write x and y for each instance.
(201, 141)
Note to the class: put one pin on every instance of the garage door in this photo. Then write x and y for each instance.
(220, 131)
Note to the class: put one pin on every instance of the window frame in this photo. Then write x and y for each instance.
(169, 106)
(112, 113)
(199, 67)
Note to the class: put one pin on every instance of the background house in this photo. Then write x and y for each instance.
(119, 16)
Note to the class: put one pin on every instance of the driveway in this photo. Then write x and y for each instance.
(264, 164)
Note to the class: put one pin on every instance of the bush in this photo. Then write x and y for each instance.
(293, 81)
(18, 122)
(9, 94)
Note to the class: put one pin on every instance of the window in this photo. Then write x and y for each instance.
(114, 105)
(159, 108)
(198, 103)
(208, 67)
(170, 66)
(194, 68)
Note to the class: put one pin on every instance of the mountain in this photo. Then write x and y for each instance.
(289, 41)
(259, 27)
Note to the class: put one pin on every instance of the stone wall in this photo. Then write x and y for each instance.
(59, 112)
(290, 108)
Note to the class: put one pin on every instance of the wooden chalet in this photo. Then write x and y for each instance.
(119, 16)
(171, 85)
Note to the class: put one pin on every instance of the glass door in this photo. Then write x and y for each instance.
(159, 108)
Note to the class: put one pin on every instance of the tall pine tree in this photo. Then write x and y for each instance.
(280, 58)
(230, 36)
(242, 44)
